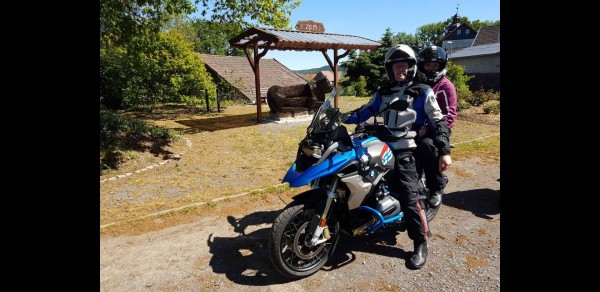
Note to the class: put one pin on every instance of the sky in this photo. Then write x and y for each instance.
(370, 18)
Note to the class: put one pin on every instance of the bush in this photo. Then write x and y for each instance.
(492, 107)
(148, 71)
(481, 96)
(119, 133)
(463, 104)
(360, 87)
(456, 74)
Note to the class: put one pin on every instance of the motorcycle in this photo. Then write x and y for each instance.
(348, 175)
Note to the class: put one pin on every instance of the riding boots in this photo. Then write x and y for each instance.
(418, 259)
(436, 198)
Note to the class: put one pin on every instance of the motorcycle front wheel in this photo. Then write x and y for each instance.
(288, 243)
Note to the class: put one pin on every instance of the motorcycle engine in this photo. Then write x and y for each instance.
(388, 206)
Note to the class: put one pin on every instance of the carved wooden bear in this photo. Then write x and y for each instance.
(298, 97)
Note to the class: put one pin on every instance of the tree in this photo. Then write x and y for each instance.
(408, 39)
(213, 37)
(431, 34)
(208, 36)
(165, 70)
(267, 12)
(146, 46)
(368, 65)
(456, 74)
(477, 24)
(120, 20)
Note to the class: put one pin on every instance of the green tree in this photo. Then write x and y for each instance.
(407, 39)
(166, 70)
(230, 18)
(208, 36)
(477, 24)
(139, 51)
(456, 74)
(120, 20)
(246, 13)
(360, 87)
(213, 37)
(368, 65)
(431, 34)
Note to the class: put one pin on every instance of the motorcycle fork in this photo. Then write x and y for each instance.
(319, 222)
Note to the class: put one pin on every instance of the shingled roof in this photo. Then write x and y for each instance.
(489, 49)
(282, 39)
(487, 35)
(256, 38)
(238, 72)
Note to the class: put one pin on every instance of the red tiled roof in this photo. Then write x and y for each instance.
(238, 72)
(308, 76)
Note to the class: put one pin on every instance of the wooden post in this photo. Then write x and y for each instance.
(207, 105)
(257, 82)
(218, 101)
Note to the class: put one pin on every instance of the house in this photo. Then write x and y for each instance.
(477, 51)
(487, 35)
(482, 59)
(479, 59)
(318, 75)
(238, 73)
(458, 35)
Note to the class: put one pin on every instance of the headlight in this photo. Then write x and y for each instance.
(314, 150)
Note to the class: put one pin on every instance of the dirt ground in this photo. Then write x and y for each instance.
(224, 247)
(228, 252)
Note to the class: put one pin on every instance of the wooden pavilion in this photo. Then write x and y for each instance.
(256, 38)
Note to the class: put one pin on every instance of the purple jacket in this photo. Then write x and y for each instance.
(445, 93)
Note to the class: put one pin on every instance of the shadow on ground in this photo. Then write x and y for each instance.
(198, 120)
(218, 123)
(244, 259)
(481, 202)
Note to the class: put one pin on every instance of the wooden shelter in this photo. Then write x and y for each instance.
(256, 38)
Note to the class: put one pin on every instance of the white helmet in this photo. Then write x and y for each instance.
(399, 53)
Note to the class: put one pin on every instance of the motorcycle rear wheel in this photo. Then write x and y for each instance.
(287, 244)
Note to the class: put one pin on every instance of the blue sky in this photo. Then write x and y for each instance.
(370, 18)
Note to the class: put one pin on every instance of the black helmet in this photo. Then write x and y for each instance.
(399, 53)
(432, 54)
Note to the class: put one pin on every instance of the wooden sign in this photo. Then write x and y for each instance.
(310, 25)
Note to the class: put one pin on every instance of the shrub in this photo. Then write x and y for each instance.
(148, 71)
(492, 107)
(481, 96)
(463, 104)
(360, 87)
(119, 133)
(456, 74)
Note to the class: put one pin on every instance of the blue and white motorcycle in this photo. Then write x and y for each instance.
(348, 177)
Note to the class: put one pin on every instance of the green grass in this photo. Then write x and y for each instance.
(231, 153)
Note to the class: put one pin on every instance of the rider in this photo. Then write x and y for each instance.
(431, 70)
(419, 104)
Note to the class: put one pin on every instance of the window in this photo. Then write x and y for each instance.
(468, 31)
(458, 32)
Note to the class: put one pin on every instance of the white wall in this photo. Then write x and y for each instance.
(479, 64)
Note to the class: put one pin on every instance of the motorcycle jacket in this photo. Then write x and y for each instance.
(446, 98)
(421, 108)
